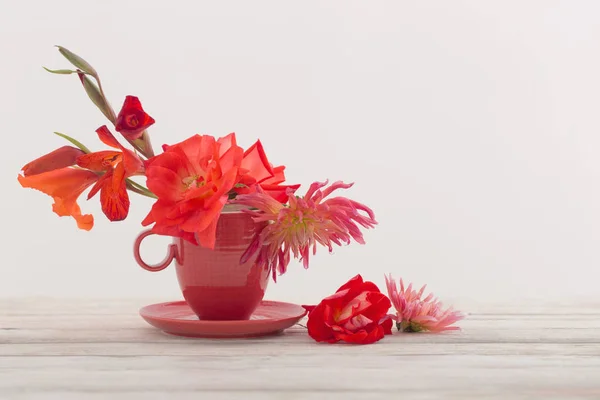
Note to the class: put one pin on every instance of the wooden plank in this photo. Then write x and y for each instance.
(97, 349)
(300, 346)
(470, 334)
(60, 306)
(132, 329)
(443, 375)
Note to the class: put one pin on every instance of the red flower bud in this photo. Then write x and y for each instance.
(132, 119)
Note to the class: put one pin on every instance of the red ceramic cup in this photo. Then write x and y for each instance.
(214, 283)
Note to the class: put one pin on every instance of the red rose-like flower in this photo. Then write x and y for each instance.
(356, 313)
(191, 180)
(132, 119)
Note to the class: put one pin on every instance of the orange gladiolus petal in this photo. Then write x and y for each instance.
(132, 163)
(101, 182)
(100, 160)
(107, 137)
(256, 162)
(113, 195)
(60, 158)
(66, 207)
(64, 185)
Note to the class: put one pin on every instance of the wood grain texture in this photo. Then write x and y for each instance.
(101, 349)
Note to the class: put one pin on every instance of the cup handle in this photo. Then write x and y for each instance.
(172, 253)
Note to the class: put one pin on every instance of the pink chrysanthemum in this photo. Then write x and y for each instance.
(303, 223)
(414, 314)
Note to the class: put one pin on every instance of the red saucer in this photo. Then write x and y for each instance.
(177, 318)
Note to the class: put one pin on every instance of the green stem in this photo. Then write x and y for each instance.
(113, 118)
(137, 188)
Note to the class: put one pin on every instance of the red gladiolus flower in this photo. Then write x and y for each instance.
(117, 166)
(192, 180)
(356, 313)
(132, 119)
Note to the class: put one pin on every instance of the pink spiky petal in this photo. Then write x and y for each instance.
(416, 314)
(305, 222)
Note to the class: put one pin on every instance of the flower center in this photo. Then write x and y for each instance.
(132, 120)
(194, 181)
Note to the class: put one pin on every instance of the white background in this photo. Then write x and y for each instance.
(470, 127)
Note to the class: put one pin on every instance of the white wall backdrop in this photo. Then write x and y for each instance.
(471, 128)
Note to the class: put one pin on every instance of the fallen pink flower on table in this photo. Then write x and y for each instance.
(414, 314)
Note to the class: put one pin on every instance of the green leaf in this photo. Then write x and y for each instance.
(74, 141)
(77, 61)
(60, 71)
(96, 97)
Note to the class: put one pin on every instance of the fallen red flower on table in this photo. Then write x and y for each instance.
(356, 313)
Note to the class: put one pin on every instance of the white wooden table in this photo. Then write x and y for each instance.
(79, 350)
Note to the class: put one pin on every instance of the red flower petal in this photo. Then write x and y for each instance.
(208, 236)
(352, 283)
(60, 158)
(317, 329)
(114, 197)
(100, 160)
(363, 336)
(256, 163)
(173, 231)
(226, 143)
(99, 184)
(203, 218)
(387, 324)
(197, 151)
(132, 163)
(279, 193)
(107, 137)
(231, 159)
(277, 178)
(309, 308)
(380, 305)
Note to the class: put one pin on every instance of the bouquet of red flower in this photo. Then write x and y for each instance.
(193, 182)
